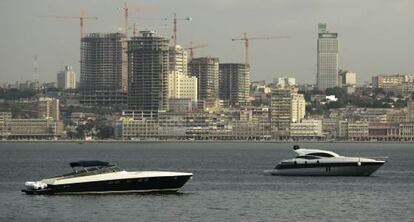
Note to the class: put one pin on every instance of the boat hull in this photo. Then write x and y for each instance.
(130, 185)
(327, 170)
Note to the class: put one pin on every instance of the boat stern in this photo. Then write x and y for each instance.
(36, 187)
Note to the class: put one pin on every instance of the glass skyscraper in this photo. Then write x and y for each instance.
(327, 71)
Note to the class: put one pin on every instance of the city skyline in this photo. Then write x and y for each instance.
(362, 34)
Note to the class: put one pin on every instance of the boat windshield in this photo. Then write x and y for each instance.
(321, 154)
(308, 157)
(87, 171)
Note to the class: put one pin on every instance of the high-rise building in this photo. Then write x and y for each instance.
(206, 70)
(49, 108)
(287, 106)
(281, 111)
(181, 86)
(327, 58)
(178, 59)
(104, 71)
(298, 102)
(298, 106)
(148, 67)
(234, 82)
(284, 82)
(66, 79)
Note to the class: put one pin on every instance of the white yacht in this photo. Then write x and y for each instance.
(102, 177)
(315, 162)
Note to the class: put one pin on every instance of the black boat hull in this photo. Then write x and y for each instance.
(339, 169)
(131, 185)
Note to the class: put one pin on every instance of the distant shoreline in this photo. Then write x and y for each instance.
(190, 141)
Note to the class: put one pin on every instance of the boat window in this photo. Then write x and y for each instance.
(308, 157)
(91, 171)
(321, 154)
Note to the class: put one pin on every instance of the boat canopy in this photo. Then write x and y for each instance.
(88, 163)
(314, 152)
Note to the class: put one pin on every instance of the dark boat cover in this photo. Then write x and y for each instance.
(88, 163)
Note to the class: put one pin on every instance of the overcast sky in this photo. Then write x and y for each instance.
(375, 36)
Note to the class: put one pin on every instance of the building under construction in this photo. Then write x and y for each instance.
(148, 67)
(103, 70)
(206, 70)
(234, 83)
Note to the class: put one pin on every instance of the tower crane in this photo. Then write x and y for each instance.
(192, 47)
(81, 18)
(127, 8)
(175, 19)
(247, 39)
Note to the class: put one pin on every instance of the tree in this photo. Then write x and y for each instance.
(339, 93)
(400, 103)
(377, 91)
(335, 105)
(106, 132)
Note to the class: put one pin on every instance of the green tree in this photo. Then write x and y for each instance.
(106, 132)
(339, 93)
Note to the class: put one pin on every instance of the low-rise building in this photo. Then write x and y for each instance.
(330, 127)
(306, 129)
(357, 130)
(42, 128)
(383, 131)
(396, 116)
(136, 129)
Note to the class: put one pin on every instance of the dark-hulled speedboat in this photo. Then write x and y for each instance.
(315, 162)
(94, 177)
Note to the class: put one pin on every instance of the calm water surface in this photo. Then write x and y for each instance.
(228, 184)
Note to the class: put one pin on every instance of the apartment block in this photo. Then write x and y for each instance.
(281, 112)
(234, 83)
(206, 70)
(66, 79)
(181, 86)
(49, 108)
(148, 69)
(104, 70)
(306, 129)
(178, 62)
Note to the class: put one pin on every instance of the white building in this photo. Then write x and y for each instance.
(284, 82)
(181, 86)
(129, 128)
(357, 130)
(349, 78)
(298, 107)
(66, 79)
(178, 59)
(307, 128)
(48, 108)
